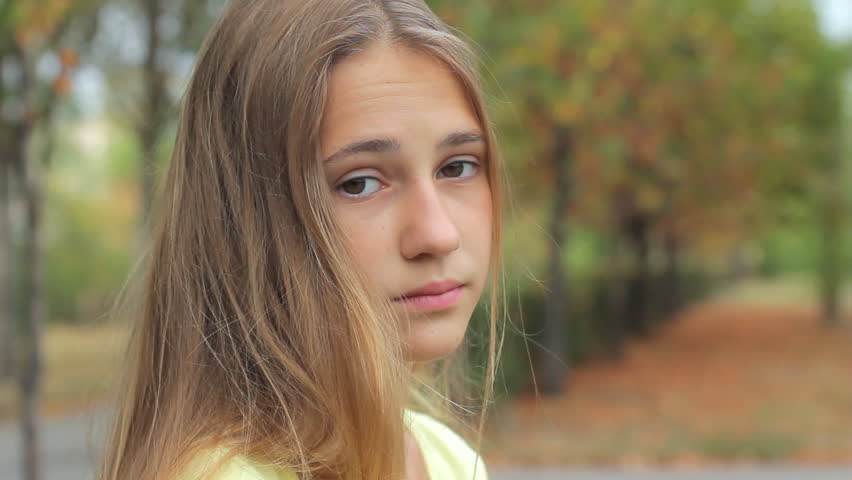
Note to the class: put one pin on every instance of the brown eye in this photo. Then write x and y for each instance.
(459, 169)
(359, 186)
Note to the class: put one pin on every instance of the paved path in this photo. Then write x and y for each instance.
(70, 446)
(719, 474)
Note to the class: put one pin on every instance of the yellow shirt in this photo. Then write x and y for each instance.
(447, 456)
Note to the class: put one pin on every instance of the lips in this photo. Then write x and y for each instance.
(433, 288)
(433, 296)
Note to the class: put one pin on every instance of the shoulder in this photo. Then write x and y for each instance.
(446, 453)
(237, 467)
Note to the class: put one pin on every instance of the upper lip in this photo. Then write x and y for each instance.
(432, 288)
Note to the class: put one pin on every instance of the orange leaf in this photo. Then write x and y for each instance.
(68, 57)
(62, 84)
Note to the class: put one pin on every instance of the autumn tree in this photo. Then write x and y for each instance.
(146, 83)
(666, 125)
(31, 31)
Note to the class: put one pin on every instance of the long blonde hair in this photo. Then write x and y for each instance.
(235, 342)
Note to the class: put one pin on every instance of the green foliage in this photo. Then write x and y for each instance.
(717, 123)
(83, 272)
(689, 108)
(92, 221)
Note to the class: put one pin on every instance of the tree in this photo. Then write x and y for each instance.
(684, 119)
(824, 112)
(30, 31)
(153, 83)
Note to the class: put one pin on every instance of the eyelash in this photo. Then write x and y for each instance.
(474, 164)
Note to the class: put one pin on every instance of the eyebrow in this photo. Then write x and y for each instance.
(383, 145)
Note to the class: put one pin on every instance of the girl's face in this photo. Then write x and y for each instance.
(404, 155)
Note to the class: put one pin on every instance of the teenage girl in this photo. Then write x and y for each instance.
(328, 222)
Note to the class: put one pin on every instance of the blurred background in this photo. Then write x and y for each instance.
(678, 245)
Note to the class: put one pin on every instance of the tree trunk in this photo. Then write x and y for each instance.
(32, 280)
(616, 295)
(555, 359)
(151, 121)
(831, 264)
(31, 333)
(7, 329)
(672, 275)
(833, 216)
(636, 304)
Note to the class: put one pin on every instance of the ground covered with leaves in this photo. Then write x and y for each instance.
(726, 382)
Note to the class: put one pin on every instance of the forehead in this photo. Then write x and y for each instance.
(386, 90)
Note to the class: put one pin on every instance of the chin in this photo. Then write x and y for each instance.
(433, 339)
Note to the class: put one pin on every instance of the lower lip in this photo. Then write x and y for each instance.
(433, 302)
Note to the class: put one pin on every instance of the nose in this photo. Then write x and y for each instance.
(428, 229)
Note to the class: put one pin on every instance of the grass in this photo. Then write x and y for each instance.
(79, 369)
(760, 445)
(794, 289)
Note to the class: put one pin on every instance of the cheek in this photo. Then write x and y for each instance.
(478, 224)
(367, 237)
